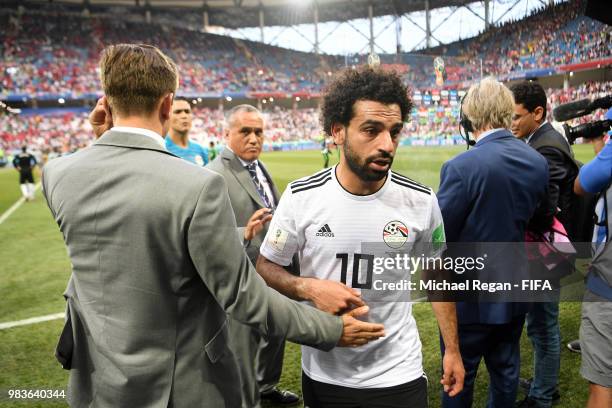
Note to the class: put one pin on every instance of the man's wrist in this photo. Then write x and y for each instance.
(454, 349)
(303, 288)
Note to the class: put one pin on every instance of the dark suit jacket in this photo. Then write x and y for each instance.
(488, 194)
(562, 170)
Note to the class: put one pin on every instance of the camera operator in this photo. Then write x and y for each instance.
(596, 325)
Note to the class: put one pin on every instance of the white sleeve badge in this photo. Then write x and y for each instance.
(278, 239)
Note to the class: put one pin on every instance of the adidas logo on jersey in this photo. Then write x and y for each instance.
(325, 231)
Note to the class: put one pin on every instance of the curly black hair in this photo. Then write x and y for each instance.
(362, 84)
(530, 94)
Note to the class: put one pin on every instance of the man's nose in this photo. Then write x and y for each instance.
(386, 142)
(253, 138)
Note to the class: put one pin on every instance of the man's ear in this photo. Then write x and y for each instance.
(166, 107)
(539, 114)
(338, 133)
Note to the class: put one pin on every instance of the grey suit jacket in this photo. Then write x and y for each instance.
(243, 195)
(156, 264)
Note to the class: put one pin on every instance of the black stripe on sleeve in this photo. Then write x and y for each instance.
(309, 186)
(417, 188)
(312, 179)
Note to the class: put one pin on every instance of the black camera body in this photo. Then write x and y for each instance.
(589, 130)
(580, 108)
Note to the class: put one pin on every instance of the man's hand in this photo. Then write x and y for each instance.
(330, 296)
(598, 144)
(256, 223)
(454, 373)
(100, 117)
(357, 333)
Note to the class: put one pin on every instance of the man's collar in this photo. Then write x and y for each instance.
(141, 131)
(244, 162)
(487, 133)
(130, 139)
(533, 133)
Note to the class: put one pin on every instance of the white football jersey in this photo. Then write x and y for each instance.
(328, 226)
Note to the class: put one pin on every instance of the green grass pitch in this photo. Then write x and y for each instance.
(34, 269)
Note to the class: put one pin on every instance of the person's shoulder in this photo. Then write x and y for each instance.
(196, 145)
(466, 158)
(217, 165)
(311, 183)
(409, 185)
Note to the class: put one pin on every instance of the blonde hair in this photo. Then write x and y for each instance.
(489, 104)
(135, 77)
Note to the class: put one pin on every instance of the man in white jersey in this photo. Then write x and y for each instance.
(328, 217)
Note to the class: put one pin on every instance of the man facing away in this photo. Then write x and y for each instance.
(487, 195)
(156, 262)
(253, 196)
(177, 141)
(325, 219)
(24, 163)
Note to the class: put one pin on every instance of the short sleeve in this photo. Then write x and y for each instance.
(434, 236)
(597, 174)
(281, 241)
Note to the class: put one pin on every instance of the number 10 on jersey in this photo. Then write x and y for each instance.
(358, 260)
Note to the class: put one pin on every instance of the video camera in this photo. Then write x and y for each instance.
(580, 108)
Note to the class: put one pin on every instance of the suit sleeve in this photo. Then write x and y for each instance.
(223, 265)
(453, 201)
(558, 173)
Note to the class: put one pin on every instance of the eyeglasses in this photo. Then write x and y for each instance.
(517, 118)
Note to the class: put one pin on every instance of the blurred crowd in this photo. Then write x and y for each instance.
(56, 53)
(429, 124)
(552, 35)
(46, 52)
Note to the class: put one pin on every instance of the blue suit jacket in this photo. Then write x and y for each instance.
(488, 194)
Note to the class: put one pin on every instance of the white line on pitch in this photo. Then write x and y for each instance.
(32, 320)
(56, 316)
(15, 206)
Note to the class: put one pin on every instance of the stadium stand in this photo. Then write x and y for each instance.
(58, 59)
(59, 54)
(64, 131)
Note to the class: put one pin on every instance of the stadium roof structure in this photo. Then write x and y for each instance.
(245, 13)
(238, 14)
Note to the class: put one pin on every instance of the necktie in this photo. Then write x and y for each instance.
(258, 186)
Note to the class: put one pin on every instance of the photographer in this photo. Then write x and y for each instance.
(596, 326)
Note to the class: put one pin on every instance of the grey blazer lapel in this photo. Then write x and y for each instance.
(242, 175)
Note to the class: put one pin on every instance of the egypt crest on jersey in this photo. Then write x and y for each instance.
(395, 234)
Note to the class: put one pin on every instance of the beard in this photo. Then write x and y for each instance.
(361, 167)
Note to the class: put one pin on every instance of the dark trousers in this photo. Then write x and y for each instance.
(499, 345)
(543, 331)
(322, 395)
